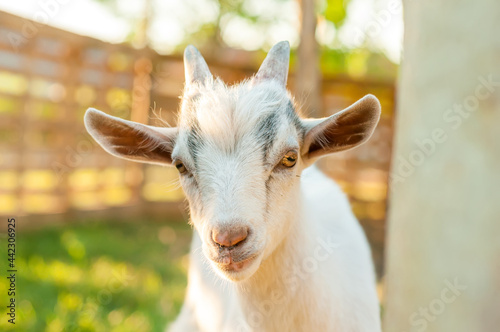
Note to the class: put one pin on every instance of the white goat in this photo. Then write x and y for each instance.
(288, 253)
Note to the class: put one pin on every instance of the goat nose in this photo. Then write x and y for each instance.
(230, 237)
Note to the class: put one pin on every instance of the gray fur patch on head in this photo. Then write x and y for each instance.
(225, 118)
(194, 139)
(295, 120)
(267, 132)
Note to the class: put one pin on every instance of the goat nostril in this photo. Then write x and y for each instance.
(229, 238)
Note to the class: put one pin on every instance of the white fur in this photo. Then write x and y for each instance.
(295, 284)
(304, 264)
(288, 293)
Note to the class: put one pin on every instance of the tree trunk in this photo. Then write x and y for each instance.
(444, 225)
(307, 75)
(141, 39)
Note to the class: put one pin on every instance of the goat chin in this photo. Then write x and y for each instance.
(240, 271)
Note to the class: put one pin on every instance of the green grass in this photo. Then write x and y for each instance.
(99, 276)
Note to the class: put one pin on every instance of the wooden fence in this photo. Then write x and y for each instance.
(50, 166)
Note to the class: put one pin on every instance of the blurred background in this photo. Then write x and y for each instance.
(102, 242)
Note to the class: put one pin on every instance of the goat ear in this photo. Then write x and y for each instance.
(275, 65)
(342, 131)
(131, 140)
(195, 67)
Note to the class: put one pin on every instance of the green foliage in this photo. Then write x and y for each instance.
(332, 61)
(356, 64)
(335, 11)
(336, 59)
(100, 276)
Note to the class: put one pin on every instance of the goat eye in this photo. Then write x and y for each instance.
(180, 166)
(289, 159)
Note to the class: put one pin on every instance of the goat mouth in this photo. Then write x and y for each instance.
(228, 265)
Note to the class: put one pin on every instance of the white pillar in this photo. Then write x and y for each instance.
(443, 256)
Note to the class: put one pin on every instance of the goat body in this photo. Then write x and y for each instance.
(276, 246)
(320, 278)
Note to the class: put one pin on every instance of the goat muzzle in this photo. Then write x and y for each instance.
(230, 237)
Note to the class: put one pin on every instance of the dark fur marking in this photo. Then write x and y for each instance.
(194, 140)
(268, 189)
(295, 119)
(267, 132)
